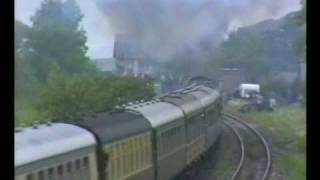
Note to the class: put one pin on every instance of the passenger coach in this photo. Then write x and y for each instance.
(153, 140)
(55, 151)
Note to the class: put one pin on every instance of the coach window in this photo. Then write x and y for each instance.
(85, 161)
(60, 170)
(124, 158)
(137, 151)
(142, 151)
(41, 175)
(78, 164)
(30, 177)
(115, 160)
(120, 153)
(69, 167)
(174, 138)
(50, 173)
(159, 144)
(135, 154)
(168, 139)
(126, 151)
(132, 154)
(147, 148)
(162, 143)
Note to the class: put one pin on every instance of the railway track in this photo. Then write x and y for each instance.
(255, 160)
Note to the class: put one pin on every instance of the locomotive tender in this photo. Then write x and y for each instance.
(152, 140)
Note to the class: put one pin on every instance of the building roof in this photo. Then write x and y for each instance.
(46, 141)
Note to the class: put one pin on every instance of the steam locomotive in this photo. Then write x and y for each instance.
(145, 140)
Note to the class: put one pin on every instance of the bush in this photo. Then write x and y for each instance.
(72, 97)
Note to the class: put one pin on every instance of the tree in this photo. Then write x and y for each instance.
(21, 33)
(245, 51)
(301, 18)
(300, 46)
(73, 97)
(24, 72)
(56, 39)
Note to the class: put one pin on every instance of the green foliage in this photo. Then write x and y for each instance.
(275, 85)
(72, 97)
(54, 78)
(301, 18)
(56, 39)
(285, 130)
(297, 165)
(245, 51)
(300, 44)
(21, 31)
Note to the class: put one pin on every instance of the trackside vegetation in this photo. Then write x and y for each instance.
(285, 130)
(74, 97)
(54, 77)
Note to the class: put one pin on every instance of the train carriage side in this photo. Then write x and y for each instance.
(194, 121)
(56, 151)
(169, 137)
(125, 145)
(211, 100)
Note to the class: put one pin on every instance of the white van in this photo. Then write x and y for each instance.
(246, 89)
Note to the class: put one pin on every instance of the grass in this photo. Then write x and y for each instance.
(285, 130)
(294, 166)
(224, 168)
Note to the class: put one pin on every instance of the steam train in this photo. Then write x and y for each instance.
(145, 140)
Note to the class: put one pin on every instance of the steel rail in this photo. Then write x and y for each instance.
(234, 175)
(261, 138)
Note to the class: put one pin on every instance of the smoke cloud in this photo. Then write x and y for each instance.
(167, 29)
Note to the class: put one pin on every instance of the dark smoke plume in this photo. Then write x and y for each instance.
(167, 29)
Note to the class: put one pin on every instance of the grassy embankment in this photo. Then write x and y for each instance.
(285, 130)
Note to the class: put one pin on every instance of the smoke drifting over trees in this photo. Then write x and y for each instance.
(167, 29)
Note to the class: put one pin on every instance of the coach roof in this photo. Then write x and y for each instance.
(44, 141)
(157, 112)
(188, 103)
(205, 95)
(110, 127)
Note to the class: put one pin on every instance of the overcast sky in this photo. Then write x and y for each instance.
(100, 36)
